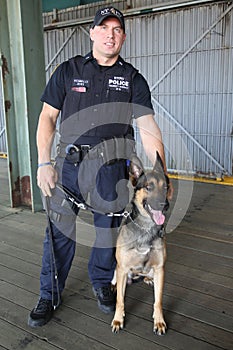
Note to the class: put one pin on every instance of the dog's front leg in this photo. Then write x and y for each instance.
(159, 323)
(118, 320)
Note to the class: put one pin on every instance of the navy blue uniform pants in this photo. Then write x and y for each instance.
(107, 188)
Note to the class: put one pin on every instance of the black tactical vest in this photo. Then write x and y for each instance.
(97, 103)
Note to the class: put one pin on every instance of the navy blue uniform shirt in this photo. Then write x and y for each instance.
(101, 99)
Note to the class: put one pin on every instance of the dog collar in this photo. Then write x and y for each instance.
(160, 233)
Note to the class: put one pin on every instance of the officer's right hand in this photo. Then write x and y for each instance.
(46, 179)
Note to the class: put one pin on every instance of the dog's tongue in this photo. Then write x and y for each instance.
(158, 217)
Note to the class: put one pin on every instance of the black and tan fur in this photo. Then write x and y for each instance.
(141, 248)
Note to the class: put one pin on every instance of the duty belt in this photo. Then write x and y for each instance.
(76, 153)
(110, 150)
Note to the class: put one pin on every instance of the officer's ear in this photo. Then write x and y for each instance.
(91, 34)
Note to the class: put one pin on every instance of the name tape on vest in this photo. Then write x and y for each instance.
(80, 85)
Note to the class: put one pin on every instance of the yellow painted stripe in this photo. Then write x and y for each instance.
(226, 180)
(3, 155)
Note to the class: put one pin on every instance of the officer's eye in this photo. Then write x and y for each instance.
(118, 30)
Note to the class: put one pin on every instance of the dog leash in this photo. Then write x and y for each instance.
(81, 205)
(84, 206)
(54, 272)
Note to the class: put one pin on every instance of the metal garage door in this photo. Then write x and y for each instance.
(186, 55)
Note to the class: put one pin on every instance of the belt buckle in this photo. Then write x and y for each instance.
(85, 147)
(84, 150)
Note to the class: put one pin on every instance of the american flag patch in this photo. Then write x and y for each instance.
(79, 88)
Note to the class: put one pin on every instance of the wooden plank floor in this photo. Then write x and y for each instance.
(198, 295)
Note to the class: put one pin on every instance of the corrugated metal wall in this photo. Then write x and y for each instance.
(197, 93)
(193, 101)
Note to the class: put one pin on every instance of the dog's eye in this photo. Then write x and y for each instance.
(150, 187)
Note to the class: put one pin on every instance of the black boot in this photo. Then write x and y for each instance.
(106, 298)
(41, 314)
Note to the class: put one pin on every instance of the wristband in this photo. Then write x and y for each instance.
(43, 164)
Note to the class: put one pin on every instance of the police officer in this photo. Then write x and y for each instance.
(97, 96)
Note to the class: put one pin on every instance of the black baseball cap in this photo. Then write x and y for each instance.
(106, 12)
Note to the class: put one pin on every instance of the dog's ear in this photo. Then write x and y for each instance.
(135, 169)
(158, 167)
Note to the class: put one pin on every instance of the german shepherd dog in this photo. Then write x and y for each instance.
(141, 249)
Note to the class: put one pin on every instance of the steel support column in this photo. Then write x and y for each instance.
(22, 61)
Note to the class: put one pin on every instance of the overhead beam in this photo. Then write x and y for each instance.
(130, 12)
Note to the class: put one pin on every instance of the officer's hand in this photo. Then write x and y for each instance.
(46, 179)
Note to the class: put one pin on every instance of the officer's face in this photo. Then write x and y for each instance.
(108, 39)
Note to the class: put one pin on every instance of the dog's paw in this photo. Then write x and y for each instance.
(160, 328)
(117, 326)
(149, 281)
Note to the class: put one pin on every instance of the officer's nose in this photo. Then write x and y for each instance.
(110, 33)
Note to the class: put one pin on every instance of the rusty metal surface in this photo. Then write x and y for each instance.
(4, 66)
(21, 193)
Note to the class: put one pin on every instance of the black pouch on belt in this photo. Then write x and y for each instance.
(73, 154)
(117, 148)
(109, 150)
(124, 147)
